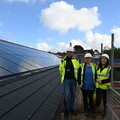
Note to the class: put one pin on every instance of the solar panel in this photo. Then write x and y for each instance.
(16, 58)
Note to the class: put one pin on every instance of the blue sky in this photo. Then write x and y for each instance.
(50, 25)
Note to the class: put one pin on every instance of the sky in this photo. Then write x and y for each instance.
(51, 25)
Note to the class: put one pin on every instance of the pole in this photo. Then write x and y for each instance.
(112, 58)
(70, 44)
(101, 48)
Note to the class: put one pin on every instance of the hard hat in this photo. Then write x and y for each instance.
(88, 55)
(70, 49)
(105, 55)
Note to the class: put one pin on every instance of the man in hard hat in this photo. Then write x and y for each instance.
(69, 70)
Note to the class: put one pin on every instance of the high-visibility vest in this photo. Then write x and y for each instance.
(62, 67)
(104, 74)
(82, 71)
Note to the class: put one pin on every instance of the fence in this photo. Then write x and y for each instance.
(113, 104)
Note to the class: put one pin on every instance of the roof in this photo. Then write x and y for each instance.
(29, 83)
(35, 97)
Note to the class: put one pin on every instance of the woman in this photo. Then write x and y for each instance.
(102, 81)
(86, 81)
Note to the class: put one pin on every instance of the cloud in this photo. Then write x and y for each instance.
(94, 40)
(89, 41)
(62, 16)
(43, 46)
(25, 1)
(116, 31)
(60, 46)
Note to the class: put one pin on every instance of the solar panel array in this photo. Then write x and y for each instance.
(16, 58)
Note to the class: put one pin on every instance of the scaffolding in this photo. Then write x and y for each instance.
(113, 105)
(113, 96)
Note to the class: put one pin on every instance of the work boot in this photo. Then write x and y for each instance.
(97, 110)
(103, 113)
(86, 112)
(92, 114)
(73, 112)
(66, 113)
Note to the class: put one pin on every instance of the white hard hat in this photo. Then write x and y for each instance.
(70, 49)
(88, 55)
(105, 55)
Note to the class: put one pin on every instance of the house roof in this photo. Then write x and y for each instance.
(30, 86)
(35, 97)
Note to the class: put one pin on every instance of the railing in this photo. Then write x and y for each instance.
(113, 104)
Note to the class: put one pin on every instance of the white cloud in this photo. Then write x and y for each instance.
(62, 16)
(43, 46)
(94, 40)
(116, 32)
(90, 41)
(60, 46)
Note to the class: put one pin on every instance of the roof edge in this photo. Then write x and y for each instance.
(22, 45)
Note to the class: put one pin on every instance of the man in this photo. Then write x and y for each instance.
(69, 71)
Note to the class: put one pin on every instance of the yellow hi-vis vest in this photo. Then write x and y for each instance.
(62, 67)
(104, 74)
(82, 71)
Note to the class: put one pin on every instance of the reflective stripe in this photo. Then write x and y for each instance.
(61, 70)
(75, 68)
(103, 75)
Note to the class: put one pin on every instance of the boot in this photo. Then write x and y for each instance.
(97, 110)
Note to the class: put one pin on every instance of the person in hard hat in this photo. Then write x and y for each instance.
(86, 81)
(69, 71)
(102, 82)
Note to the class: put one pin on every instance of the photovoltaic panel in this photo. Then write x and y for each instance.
(10, 66)
(4, 72)
(16, 58)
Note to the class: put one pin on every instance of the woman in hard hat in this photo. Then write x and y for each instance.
(86, 81)
(102, 82)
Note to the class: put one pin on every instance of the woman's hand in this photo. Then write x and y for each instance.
(99, 81)
(80, 86)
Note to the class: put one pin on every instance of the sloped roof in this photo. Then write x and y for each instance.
(35, 97)
(30, 86)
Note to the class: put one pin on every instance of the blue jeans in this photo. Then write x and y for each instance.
(69, 93)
